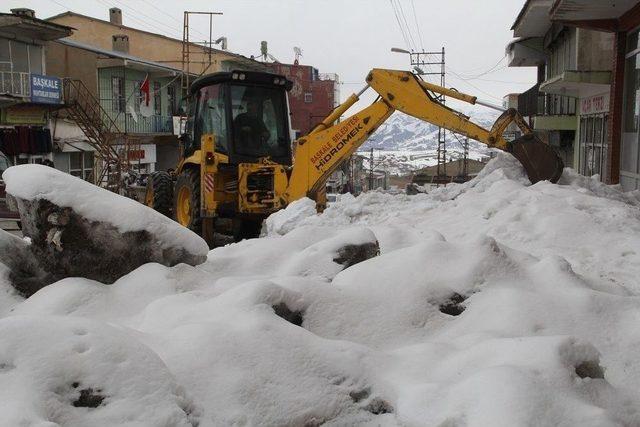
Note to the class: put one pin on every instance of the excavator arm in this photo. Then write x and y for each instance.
(318, 154)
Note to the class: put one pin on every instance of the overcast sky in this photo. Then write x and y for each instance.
(347, 37)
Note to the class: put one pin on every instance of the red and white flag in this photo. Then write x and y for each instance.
(144, 91)
(146, 109)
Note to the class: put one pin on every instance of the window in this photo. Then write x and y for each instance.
(259, 122)
(35, 59)
(157, 99)
(171, 100)
(593, 142)
(117, 94)
(5, 55)
(308, 98)
(212, 117)
(19, 57)
(81, 165)
(139, 96)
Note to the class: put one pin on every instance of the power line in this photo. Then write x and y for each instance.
(415, 17)
(175, 19)
(489, 71)
(163, 30)
(406, 25)
(473, 86)
(395, 12)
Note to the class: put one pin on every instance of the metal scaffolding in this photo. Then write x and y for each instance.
(207, 51)
(434, 64)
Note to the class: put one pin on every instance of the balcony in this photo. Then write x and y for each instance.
(531, 102)
(15, 83)
(550, 111)
(128, 123)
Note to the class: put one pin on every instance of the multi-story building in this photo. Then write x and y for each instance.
(565, 106)
(313, 96)
(114, 77)
(29, 92)
(619, 104)
(113, 61)
(151, 46)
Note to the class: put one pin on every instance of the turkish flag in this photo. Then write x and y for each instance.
(144, 91)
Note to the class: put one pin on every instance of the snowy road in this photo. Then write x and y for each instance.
(493, 303)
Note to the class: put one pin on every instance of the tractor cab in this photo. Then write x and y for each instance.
(247, 114)
(235, 155)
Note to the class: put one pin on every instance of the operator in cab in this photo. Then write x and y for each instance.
(249, 129)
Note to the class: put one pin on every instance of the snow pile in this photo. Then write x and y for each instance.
(495, 302)
(34, 182)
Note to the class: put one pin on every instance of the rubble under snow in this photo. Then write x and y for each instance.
(494, 302)
(79, 230)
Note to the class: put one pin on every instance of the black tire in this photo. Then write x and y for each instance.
(246, 229)
(159, 194)
(188, 181)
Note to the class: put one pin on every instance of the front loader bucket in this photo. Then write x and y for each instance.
(539, 160)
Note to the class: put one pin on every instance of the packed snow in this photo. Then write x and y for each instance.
(29, 182)
(492, 303)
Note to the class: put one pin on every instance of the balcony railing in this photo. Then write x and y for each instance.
(536, 103)
(15, 83)
(127, 123)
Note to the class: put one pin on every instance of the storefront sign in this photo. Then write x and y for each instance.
(45, 89)
(25, 115)
(146, 153)
(595, 104)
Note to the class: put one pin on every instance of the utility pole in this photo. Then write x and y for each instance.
(371, 170)
(419, 61)
(186, 49)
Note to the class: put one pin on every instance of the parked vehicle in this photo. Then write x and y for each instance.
(5, 212)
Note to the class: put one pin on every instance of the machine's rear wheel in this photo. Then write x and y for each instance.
(159, 194)
(186, 207)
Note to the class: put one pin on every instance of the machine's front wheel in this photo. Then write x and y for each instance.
(186, 205)
(159, 194)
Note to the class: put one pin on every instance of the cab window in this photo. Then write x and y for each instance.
(259, 121)
(212, 117)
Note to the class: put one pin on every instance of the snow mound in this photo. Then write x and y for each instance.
(35, 182)
(75, 372)
(494, 302)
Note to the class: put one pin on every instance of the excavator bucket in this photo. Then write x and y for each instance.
(539, 160)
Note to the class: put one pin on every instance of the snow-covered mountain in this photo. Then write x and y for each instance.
(404, 143)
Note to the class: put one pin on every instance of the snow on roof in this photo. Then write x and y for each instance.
(30, 182)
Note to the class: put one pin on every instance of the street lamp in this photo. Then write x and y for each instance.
(398, 50)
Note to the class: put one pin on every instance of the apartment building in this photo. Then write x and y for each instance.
(619, 22)
(568, 105)
(29, 92)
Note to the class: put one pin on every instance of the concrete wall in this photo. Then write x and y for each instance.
(153, 47)
(595, 50)
(66, 61)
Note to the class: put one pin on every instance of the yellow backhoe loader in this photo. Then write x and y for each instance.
(238, 160)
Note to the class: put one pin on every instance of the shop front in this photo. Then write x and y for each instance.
(24, 134)
(593, 135)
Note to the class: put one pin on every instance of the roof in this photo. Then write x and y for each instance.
(224, 52)
(590, 9)
(116, 54)
(33, 28)
(533, 19)
(257, 78)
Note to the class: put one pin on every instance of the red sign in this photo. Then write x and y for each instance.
(135, 155)
(595, 104)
